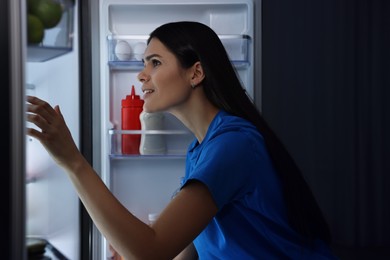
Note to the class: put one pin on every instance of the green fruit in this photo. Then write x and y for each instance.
(35, 30)
(48, 11)
(31, 4)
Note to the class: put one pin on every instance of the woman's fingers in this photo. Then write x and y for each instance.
(47, 118)
(41, 108)
(53, 132)
(41, 114)
(37, 119)
(34, 133)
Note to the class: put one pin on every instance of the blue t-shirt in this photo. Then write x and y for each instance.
(251, 222)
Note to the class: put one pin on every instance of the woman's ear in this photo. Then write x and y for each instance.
(197, 73)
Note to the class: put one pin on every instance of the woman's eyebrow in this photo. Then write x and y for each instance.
(149, 57)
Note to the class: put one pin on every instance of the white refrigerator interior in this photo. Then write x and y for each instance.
(52, 205)
(146, 183)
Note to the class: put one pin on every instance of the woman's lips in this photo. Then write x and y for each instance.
(147, 92)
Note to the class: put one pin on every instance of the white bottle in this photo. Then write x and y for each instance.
(152, 143)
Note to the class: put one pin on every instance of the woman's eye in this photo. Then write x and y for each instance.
(155, 63)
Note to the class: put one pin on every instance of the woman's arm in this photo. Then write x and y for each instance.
(189, 253)
(179, 223)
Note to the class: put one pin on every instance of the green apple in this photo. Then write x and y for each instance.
(35, 29)
(48, 11)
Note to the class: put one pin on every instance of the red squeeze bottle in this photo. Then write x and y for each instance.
(131, 109)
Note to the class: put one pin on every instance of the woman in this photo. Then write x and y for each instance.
(242, 197)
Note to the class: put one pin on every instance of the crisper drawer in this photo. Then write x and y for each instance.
(126, 51)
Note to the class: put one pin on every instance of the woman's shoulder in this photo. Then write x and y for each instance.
(229, 134)
(228, 124)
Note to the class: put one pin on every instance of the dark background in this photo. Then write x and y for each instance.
(325, 90)
(326, 93)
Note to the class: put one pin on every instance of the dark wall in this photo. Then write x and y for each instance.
(326, 93)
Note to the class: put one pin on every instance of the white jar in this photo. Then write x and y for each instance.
(152, 143)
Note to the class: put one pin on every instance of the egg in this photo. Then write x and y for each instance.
(139, 49)
(123, 50)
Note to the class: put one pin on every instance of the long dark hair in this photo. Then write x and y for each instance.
(191, 42)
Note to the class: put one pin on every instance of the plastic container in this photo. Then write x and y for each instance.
(152, 143)
(132, 107)
(58, 40)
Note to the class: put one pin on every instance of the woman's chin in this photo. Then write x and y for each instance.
(148, 109)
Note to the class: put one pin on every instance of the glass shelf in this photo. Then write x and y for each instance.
(57, 41)
(150, 132)
(176, 143)
(138, 65)
(130, 59)
(146, 157)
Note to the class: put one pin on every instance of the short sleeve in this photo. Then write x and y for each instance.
(225, 166)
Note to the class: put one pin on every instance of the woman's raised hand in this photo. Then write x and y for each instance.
(54, 134)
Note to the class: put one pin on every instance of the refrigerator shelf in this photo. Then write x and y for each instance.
(41, 248)
(145, 157)
(150, 132)
(31, 179)
(128, 55)
(57, 41)
(138, 65)
(175, 143)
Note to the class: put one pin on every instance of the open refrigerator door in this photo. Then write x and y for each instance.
(145, 183)
(52, 74)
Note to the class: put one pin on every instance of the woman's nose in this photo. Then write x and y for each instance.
(143, 77)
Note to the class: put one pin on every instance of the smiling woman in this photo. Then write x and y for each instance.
(263, 210)
(163, 79)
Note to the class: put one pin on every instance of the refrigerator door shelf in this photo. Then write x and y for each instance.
(57, 41)
(176, 142)
(40, 248)
(137, 17)
(126, 51)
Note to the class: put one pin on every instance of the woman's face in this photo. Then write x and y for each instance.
(165, 84)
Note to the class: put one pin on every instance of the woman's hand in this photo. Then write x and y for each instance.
(54, 135)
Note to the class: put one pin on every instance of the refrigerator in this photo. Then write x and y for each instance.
(44, 217)
(78, 66)
(146, 183)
